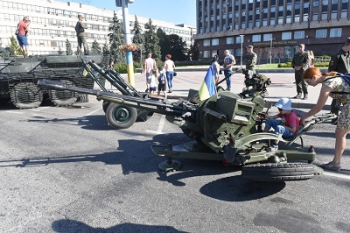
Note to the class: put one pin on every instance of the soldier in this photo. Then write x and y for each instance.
(80, 30)
(250, 59)
(300, 63)
(340, 62)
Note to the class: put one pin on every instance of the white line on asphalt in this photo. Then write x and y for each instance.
(160, 127)
(14, 112)
(338, 175)
(90, 113)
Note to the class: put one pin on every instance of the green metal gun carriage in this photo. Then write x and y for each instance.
(224, 127)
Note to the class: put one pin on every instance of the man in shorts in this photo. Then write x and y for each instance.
(149, 65)
(22, 30)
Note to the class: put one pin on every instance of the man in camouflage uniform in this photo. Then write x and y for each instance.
(300, 63)
(340, 62)
(250, 59)
(80, 30)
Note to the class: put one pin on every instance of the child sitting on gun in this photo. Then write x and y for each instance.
(162, 82)
(152, 81)
(287, 126)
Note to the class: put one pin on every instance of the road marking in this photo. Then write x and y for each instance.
(160, 127)
(90, 113)
(14, 112)
(338, 175)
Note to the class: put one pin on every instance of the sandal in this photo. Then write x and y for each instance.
(331, 166)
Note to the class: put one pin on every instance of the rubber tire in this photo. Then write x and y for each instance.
(105, 105)
(120, 116)
(26, 95)
(278, 171)
(63, 98)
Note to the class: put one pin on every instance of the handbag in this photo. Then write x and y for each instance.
(17, 31)
(175, 73)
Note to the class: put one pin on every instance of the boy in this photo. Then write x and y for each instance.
(289, 123)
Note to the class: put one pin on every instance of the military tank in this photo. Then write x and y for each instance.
(19, 77)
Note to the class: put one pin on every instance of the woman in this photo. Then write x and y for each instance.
(169, 67)
(331, 84)
(216, 67)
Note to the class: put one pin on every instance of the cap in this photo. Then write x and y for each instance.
(348, 40)
(250, 46)
(284, 103)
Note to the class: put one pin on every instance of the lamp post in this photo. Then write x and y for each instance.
(271, 50)
(242, 39)
(127, 38)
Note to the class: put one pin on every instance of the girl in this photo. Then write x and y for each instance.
(152, 81)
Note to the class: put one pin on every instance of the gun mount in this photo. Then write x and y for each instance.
(19, 77)
(225, 127)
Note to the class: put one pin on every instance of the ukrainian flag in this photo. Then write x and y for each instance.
(208, 87)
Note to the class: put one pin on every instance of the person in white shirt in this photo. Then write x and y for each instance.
(169, 67)
(229, 61)
(149, 65)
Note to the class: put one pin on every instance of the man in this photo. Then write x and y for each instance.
(80, 30)
(150, 64)
(229, 61)
(300, 63)
(250, 59)
(22, 30)
(340, 62)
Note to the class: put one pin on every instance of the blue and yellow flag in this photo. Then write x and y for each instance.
(208, 87)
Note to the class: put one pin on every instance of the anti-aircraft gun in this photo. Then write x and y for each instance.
(225, 128)
(19, 76)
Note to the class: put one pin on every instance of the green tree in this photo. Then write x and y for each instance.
(96, 47)
(178, 48)
(69, 50)
(137, 39)
(194, 51)
(152, 41)
(116, 39)
(14, 47)
(106, 55)
(163, 42)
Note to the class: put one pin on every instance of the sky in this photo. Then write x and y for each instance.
(174, 11)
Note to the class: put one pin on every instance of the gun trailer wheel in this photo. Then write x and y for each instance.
(120, 116)
(278, 171)
(26, 95)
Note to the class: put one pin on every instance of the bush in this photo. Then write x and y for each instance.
(122, 68)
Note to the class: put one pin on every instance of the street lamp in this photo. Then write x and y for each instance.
(242, 39)
(271, 49)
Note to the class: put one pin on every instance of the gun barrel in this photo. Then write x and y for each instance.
(136, 102)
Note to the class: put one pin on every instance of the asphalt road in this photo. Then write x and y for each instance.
(65, 170)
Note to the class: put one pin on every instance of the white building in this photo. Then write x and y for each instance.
(53, 22)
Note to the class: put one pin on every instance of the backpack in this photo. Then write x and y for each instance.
(161, 79)
(346, 78)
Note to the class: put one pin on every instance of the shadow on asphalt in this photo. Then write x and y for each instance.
(73, 226)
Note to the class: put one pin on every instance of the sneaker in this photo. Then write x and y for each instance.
(298, 96)
(305, 97)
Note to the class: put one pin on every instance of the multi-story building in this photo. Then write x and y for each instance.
(53, 22)
(273, 27)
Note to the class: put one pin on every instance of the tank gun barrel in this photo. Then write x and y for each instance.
(136, 102)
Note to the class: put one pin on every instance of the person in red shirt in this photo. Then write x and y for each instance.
(22, 28)
(289, 123)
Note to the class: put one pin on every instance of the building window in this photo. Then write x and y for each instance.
(238, 40)
(286, 35)
(206, 54)
(267, 37)
(299, 34)
(215, 42)
(229, 40)
(321, 33)
(206, 42)
(335, 32)
(256, 38)
(238, 52)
